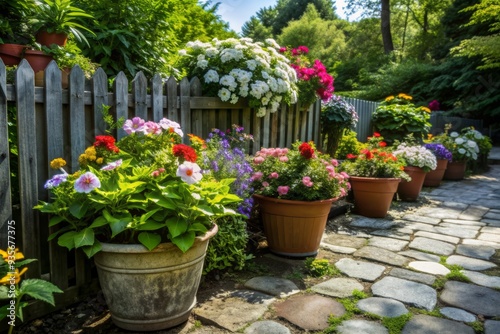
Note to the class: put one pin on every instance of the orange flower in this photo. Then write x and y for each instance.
(382, 144)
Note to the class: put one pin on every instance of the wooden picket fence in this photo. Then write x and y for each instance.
(54, 122)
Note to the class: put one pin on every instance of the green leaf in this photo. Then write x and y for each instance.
(197, 227)
(84, 238)
(98, 222)
(150, 226)
(184, 241)
(149, 240)
(67, 240)
(4, 292)
(92, 249)
(78, 210)
(176, 226)
(39, 289)
(118, 227)
(55, 220)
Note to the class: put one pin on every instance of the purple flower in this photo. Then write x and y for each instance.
(112, 165)
(152, 128)
(55, 181)
(136, 124)
(171, 126)
(439, 151)
(86, 183)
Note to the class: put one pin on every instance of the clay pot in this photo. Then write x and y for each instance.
(434, 177)
(11, 54)
(293, 228)
(410, 190)
(49, 38)
(38, 60)
(455, 170)
(373, 195)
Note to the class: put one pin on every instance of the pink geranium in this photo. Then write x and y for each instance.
(283, 190)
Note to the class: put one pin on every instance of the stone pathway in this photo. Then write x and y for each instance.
(398, 264)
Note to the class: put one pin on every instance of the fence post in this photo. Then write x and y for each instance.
(5, 187)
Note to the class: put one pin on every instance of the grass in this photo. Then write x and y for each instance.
(455, 274)
(395, 325)
(350, 308)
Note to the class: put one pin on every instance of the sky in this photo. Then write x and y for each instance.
(237, 12)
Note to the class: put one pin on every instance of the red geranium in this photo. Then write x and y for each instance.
(184, 151)
(306, 150)
(108, 142)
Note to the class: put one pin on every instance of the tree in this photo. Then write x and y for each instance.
(255, 30)
(487, 47)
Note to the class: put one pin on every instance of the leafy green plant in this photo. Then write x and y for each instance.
(60, 16)
(69, 56)
(395, 325)
(397, 117)
(13, 21)
(337, 116)
(320, 267)
(12, 289)
(348, 144)
(147, 189)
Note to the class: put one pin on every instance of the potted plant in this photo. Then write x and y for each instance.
(314, 82)
(239, 68)
(397, 116)
(484, 145)
(443, 156)
(419, 161)
(374, 176)
(54, 20)
(14, 32)
(462, 150)
(295, 189)
(337, 116)
(144, 209)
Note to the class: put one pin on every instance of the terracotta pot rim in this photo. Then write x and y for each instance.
(139, 248)
(352, 177)
(289, 201)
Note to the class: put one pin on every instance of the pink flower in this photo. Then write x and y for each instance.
(189, 172)
(171, 126)
(306, 180)
(112, 165)
(258, 160)
(152, 128)
(257, 176)
(283, 190)
(334, 162)
(136, 124)
(284, 158)
(86, 183)
(265, 184)
(273, 175)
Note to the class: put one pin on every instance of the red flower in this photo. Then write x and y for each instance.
(184, 151)
(108, 142)
(376, 134)
(382, 144)
(351, 156)
(306, 150)
(368, 154)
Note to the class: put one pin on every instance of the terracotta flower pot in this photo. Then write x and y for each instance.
(49, 38)
(434, 177)
(38, 60)
(455, 170)
(372, 195)
(11, 53)
(410, 190)
(293, 228)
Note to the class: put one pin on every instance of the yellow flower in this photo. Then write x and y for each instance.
(5, 254)
(426, 109)
(389, 98)
(57, 163)
(404, 96)
(91, 153)
(429, 136)
(99, 160)
(82, 159)
(6, 280)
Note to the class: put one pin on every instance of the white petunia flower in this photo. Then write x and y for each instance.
(211, 76)
(224, 94)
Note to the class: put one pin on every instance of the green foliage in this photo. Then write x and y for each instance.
(397, 117)
(227, 249)
(351, 310)
(395, 325)
(70, 55)
(14, 27)
(320, 267)
(349, 144)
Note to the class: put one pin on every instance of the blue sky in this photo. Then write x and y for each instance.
(237, 12)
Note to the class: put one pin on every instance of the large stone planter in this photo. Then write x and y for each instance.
(151, 290)
(293, 228)
(372, 195)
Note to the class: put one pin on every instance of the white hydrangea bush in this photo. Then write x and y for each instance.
(463, 147)
(416, 156)
(240, 68)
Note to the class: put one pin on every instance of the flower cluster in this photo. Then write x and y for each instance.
(148, 188)
(434, 105)
(314, 81)
(397, 116)
(239, 68)
(483, 142)
(339, 113)
(439, 151)
(416, 156)
(225, 158)
(461, 147)
(376, 160)
(301, 173)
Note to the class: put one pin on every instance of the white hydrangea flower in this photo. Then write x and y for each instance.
(459, 141)
(462, 151)
(211, 52)
(202, 64)
(182, 52)
(272, 43)
(261, 112)
(454, 134)
(234, 98)
(211, 76)
(251, 64)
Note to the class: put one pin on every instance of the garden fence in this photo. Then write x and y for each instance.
(54, 122)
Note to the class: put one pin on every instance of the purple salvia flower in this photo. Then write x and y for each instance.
(55, 181)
